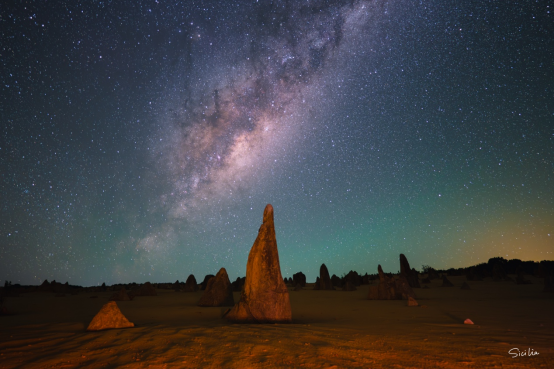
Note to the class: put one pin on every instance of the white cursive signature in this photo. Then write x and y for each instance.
(515, 352)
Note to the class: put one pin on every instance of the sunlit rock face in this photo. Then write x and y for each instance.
(219, 291)
(109, 317)
(264, 298)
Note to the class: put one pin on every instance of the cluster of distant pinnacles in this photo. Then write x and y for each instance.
(265, 295)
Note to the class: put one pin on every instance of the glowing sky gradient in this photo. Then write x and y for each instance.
(141, 140)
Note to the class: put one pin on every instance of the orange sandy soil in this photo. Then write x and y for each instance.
(331, 329)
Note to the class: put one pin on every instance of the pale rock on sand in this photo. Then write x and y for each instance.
(468, 321)
(109, 317)
(219, 291)
(265, 297)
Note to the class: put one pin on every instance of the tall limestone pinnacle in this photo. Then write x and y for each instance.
(264, 298)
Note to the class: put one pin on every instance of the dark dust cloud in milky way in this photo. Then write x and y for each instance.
(141, 140)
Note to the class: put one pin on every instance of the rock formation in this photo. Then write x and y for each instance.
(219, 291)
(204, 283)
(390, 288)
(190, 284)
(120, 296)
(144, 290)
(109, 317)
(299, 279)
(412, 302)
(446, 282)
(465, 286)
(316, 284)
(348, 286)
(432, 274)
(411, 275)
(324, 279)
(238, 284)
(265, 297)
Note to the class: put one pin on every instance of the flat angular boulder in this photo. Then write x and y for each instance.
(109, 317)
(219, 291)
(264, 297)
(411, 275)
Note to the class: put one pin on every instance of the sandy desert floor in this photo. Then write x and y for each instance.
(331, 329)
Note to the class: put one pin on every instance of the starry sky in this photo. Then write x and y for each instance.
(141, 140)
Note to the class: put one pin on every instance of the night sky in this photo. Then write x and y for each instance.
(141, 140)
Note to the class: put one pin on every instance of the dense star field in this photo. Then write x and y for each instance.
(141, 140)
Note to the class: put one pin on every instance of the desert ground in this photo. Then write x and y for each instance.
(330, 329)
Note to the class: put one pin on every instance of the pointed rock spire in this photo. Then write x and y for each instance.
(264, 298)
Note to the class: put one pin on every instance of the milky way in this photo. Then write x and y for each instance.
(142, 140)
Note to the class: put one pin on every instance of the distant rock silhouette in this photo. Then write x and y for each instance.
(426, 280)
(390, 288)
(348, 286)
(147, 290)
(336, 281)
(446, 282)
(298, 288)
(238, 284)
(204, 283)
(109, 317)
(385, 290)
(316, 284)
(219, 291)
(299, 279)
(465, 286)
(411, 275)
(120, 296)
(190, 284)
(324, 279)
(265, 297)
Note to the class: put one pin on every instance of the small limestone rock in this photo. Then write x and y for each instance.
(412, 302)
(109, 317)
(468, 321)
